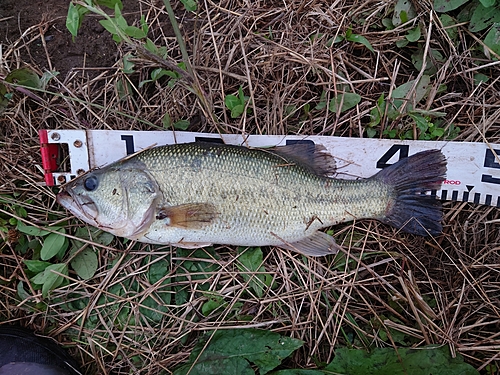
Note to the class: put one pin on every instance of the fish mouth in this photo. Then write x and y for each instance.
(83, 208)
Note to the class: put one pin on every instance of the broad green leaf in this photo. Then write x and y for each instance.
(213, 303)
(488, 3)
(237, 111)
(49, 279)
(448, 21)
(418, 59)
(483, 18)
(181, 125)
(28, 229)
(85, 263)
(442, 6)
(36, 266)
(297, 372)
(402, 91)
(4, 97)
(414, 34)
(73, 19)
(370, 132)
(381, 361)
(128, 66)
(231, 101)
(135, 32)
(403, 12)
(348, 100)
(46, 77)
(53, 244)
(190, 5)
(250, 260)
(492, 39)
(232, 351)
(479, 77)
(24, 77)
(21, 292)
(110, 26)
(360, 39)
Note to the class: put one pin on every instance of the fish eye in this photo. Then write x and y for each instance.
(90, 183)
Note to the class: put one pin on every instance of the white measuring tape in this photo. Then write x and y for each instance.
(473, 168)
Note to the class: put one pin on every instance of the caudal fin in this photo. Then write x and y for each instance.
(412, 178)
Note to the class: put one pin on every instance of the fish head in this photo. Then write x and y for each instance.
(120, 199)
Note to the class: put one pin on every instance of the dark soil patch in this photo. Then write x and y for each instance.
(93, 48)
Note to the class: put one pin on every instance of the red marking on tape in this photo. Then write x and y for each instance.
(452, 182)
(50, 152)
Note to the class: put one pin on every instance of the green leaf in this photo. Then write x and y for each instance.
(487, 3)
(110, 3)
(414, 34)
(250, 260)
(190, 5)
(297, 372)
(483, 18)
(448, 21)
(49, 279)
(360, 39)
(181, 125)
(24, 77)
(370, 132)
(442, 6)
(85, 263)
(231, 101)
(479, 77)
(54, 244)
(403, 12)
(134, 32)
(421, 91)
(380, 361)
(32, 231)
(36, 266)
(4, 98)
(348, 101)
(492, 39)
(418, 59)
(74, 18)
(231, 352)
(237, 111)
(213, 303)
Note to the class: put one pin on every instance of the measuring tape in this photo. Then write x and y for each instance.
(473, 168)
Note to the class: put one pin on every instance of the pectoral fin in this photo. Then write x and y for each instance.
(317, 245)
(188, 216)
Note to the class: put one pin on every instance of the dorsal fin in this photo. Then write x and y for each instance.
(309, 155)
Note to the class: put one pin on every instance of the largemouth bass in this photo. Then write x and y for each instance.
(197, 194)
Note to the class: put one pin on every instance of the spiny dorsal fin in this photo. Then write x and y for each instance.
(309, 155)
(188, 215)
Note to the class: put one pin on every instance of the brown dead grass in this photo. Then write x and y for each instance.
(436, 291)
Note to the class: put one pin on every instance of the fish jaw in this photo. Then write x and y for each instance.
(86, 213)
(79, 211)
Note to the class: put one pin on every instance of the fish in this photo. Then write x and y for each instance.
(197, 194)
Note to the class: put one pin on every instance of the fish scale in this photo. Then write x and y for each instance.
(197, 194)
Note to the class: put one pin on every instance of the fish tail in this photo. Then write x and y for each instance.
(412, 209)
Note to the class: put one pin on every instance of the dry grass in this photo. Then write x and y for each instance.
(442, 291)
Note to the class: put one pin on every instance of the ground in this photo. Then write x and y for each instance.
(144, 308)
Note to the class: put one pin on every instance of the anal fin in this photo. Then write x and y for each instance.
(317, 245)
(188, 215)
(191, 245)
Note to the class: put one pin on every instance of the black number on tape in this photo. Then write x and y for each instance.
(403, 153)
(129, 143)
(490, 161)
